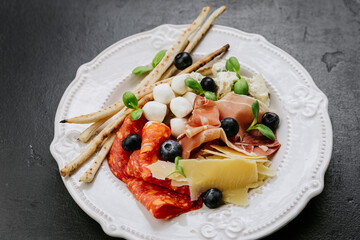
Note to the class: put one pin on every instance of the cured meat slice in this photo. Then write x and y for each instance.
(162, 199)
(118, 157)
(204, 116)
(255, 142)
(162, 203)
(189, 144)
(153, 135)
(239, 107)
(205, 113)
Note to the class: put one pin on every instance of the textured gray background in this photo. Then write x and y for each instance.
(42, 43)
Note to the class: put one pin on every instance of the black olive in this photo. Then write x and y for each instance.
(230, 126)
(212, 198)
(271, 120)
(170, 149)
(182, 60)
(208, 84)
(131, 142)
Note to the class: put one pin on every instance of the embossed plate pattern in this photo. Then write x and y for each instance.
(305, 134)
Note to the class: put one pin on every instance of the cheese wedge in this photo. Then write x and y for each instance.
(224, 174)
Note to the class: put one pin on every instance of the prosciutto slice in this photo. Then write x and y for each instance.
(204, 126)
(239, 107)
(205, 116)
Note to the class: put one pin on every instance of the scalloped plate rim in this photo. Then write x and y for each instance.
(265, 231)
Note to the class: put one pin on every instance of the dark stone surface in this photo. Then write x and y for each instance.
(42, 43)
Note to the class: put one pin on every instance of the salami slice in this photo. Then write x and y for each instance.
(118, 157)
(153, 135)
(161, 202)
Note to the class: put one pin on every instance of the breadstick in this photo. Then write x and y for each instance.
(205, 71)
(89, 175)
(165, 63)
(197, 37)
(91, 147)
(151, 78)
(87, 133)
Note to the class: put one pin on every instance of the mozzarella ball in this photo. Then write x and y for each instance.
(180, 107)
(163, 93)
(178, 84)
(155, 111)
(177, 126)
(190, 96)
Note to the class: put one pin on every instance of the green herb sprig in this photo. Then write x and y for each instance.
(240, 86)
(131, 101)
(195, 85)
(266, 131)
(178, 168)
(157, 59)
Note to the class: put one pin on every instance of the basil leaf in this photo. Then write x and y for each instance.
(130, 100)
(178, 167)
(142, 69)
(193, 84)
(255, 109)
(210, 95)
(135, 115)
(241, 87)
(232, 65)
(266, 131)
(158, 57)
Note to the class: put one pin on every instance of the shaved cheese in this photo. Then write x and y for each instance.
(224, 174)
(231, 153)
(236, 196)
(265, 170)
(230, 171)
(161, 169)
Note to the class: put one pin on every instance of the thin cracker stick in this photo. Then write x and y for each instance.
(170, 71)
(151, 78)
(87, 133)
(165, 63)
(89, 175)
(205, 60)
(194, 67)
(91, 147)
(204, 28)
(197, 37)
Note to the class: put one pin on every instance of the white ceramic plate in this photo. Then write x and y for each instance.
(305, 134)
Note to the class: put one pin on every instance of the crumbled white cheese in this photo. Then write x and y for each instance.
(218, 67)
(163, 93)
(180, 107)
(155, 111)
(224, 82)
(258, 89)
